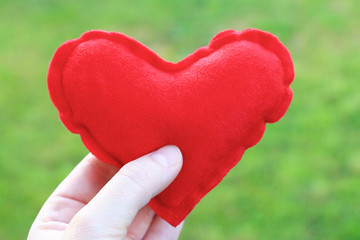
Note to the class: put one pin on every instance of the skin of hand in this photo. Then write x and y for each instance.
(98, 201)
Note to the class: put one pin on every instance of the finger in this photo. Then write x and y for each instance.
(140, 224)
(86, 180)
(75, 191)
(161, 230)
(112, 210)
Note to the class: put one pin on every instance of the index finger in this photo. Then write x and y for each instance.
(74, 192)
(86, 180)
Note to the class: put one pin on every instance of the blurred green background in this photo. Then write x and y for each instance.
(302, 181)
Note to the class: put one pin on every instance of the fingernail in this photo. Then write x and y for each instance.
(167, 156)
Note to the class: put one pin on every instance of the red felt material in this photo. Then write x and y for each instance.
(125, 101)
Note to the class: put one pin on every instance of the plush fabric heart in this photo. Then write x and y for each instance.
(125, 101)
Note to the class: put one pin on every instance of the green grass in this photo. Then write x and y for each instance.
(300, 182)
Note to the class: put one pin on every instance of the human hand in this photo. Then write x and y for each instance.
(96, 201)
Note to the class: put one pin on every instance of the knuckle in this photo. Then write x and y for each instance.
(132, 236)
(86, 224)
(82, 220)
(115, 233)
(139, 179)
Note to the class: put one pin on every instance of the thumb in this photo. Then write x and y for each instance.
(112, 210)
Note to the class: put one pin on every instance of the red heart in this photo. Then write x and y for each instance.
(125, 101)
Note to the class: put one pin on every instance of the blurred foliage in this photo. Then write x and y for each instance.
(300, 182)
